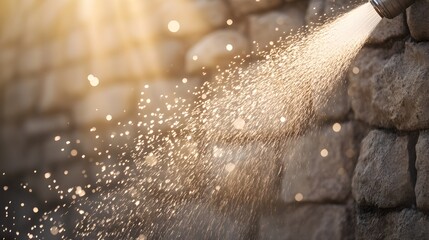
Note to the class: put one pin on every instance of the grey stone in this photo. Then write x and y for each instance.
(417, 20)
(388, 29)
(245, 174)
(212, 50)
(16, 154)
(269, 27)
(382, 177)
(195, 17)
(242, 7)
(317, 166)
(403, 224)
(20, 98)
(113, 100)
(390, 92)
(45, 125)
(334, 105)
(202, 221)
(308, 221)
(422, 166)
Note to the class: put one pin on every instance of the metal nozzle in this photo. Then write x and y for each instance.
(390, 8)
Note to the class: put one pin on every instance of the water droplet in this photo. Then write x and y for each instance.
(229, 47)
(336, 127)
(54, 230)
(239, 123)
(324, 153)
(173, 26)
(299, 197)
(229, 167)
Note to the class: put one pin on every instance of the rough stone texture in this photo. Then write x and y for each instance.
(388, 29)
(402, 224)
(391, 93)
(417, 20)
(334, 105)
(305, 222)
(245, 174)
(202, 221)
(422, 166)
(269, 27)
(109, 101)
(241, 7)
(319, 178)
(382, 177)
(212, 50)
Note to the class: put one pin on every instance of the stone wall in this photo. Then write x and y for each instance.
(68, 66)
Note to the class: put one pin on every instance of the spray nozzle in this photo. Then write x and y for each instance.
(390, 8)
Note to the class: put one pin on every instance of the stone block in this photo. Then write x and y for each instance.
(20, 98)
(388, 29)
(389, 91)
(202, 221)
(334, 105)
(266, 29)
(31, 60)
(422, 166)
(52, 97)
(72, 81)
(401, 224)
(305, 222)
(242, 7)
(45, 124)
(382, 176)
(417, 20)
(113, 100)
(317, 166)
(163, 59)
(246, 174)
(7, 64)
(17, 155)
(76, 45)
(217, 48)
(54, 53)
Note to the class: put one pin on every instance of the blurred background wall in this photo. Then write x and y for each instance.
(69, 66)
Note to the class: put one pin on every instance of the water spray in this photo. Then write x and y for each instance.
(390, 8)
